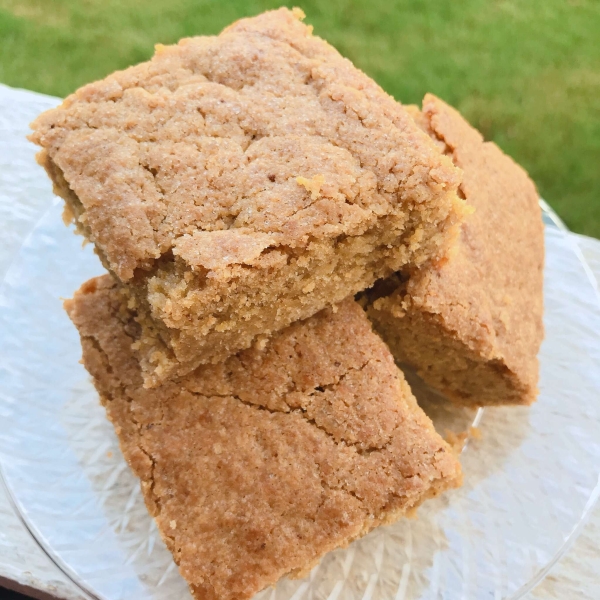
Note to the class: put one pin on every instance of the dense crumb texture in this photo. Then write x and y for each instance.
(472, 326)
(256, 467)
(241, 182)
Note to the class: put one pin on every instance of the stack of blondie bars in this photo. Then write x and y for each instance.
(258, 202)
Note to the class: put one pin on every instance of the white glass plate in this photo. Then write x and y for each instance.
(530, 481)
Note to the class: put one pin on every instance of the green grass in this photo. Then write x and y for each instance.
(525, 72)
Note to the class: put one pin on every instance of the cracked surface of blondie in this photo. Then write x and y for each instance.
(472, 326)
(241, 182)
(254, 468)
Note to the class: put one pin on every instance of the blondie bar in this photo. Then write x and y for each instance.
(254, 468)
(472, 326)
(242, 182)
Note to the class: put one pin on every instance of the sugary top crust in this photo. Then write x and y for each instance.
(490, 291)
(256, 467)
(219, 147)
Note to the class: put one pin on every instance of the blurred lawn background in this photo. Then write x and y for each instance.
(525, 72)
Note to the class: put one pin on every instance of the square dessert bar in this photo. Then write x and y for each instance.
(472, 326)
(241, 182)
(254, 468)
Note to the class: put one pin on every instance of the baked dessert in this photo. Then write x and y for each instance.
(254, 468)
(472, 326)
(242, 182)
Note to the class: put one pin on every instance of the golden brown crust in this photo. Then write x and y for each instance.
(215, 133)
(235, 157)
(483, 308)
(256, 467)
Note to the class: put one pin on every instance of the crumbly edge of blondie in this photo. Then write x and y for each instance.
(444, 361)
(190, 318)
